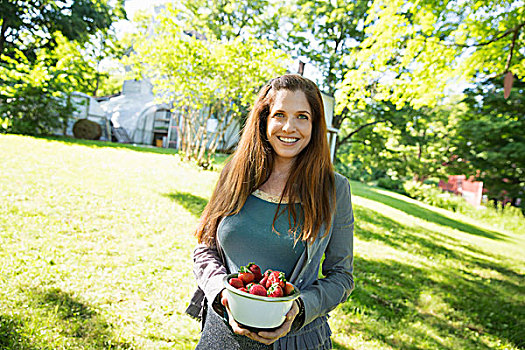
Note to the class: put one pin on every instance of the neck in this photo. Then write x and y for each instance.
(278, 177)
(282, 167)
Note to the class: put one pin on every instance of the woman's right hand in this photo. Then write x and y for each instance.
(262, 337)
(237, 329)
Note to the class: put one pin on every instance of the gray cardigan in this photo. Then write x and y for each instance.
(319, 295)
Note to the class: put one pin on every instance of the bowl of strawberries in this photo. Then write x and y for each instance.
(257, 300)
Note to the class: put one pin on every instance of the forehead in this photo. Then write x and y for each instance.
(290, 101)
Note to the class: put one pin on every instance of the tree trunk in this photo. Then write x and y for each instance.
(2, 36)
(97, 82)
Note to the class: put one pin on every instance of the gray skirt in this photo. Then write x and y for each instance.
(217, 335)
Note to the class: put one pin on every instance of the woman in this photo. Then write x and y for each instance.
(279, 204)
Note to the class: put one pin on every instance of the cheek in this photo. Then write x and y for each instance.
(307, 132)
(271, 128)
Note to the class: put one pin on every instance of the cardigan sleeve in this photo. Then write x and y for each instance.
(209, 270)
(328, 292)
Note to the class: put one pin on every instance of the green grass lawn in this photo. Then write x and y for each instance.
(95, 253)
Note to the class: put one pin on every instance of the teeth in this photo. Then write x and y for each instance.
(288, 139)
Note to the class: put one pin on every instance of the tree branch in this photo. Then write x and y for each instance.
(344, 139)
(501, 36)
(514, 30)
(507, 66)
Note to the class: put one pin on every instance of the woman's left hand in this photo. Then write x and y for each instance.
(270, 337)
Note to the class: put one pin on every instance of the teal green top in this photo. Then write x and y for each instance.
(248, 237)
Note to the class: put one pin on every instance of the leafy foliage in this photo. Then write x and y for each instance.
(490, 139)
(34, 98)
(46, 60)
(499, 215)
(192, 70)
(325, 32)
(31, 25)
(226, 20)
(414, 50)
(404, 143)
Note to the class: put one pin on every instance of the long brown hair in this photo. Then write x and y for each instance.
(311, 180)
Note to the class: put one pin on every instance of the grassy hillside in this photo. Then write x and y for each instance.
(95, 253)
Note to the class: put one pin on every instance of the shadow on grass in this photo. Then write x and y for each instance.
(194, 204)
(338, 346)
(107, 144)
(423, 213)
(72, 319)
(218, 160)
(394, 295)
(446, 296)
(12, 334)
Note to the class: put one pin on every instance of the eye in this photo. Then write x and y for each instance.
(303, 116)
(278, 115)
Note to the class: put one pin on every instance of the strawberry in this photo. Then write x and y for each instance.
(243, 290)
(236, 283)
(257, 289)
(256, 270)
(288, 289)
(263, 281)
(276, 277)
(275, 291)
(246, 275)
(249, 285)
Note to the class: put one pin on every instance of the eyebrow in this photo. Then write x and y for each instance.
(298, 112)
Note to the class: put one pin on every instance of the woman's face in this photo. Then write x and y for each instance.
(289, 124)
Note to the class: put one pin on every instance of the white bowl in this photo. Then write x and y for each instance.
(257, 311)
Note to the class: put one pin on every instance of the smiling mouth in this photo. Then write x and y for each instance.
(288, 139)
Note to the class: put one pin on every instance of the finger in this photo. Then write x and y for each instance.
(237, 329)
(224, 299)
(260, 339)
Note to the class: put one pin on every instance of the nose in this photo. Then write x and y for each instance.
(289, 125)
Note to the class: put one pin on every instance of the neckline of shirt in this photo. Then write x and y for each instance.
(269, 197)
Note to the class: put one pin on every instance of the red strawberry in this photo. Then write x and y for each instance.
(264, 280)
(236, 283)
(243, 290)
(257, 289)
(249, 285)
(256, 270)
(246, 275)
(277, 277)
(288, 289)
(275, 291)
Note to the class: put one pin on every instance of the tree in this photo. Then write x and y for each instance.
(31, 25)
(228, 19)
(415, 50)
(490, 140)
(202, 75)
(35, 100)
(46, 58)
(323, 32)
(403, 142)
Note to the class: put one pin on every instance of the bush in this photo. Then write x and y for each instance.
(34, 98)
(391, 184)
(434, 196)
(32, 110)
(354, 171)
(500, 216)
